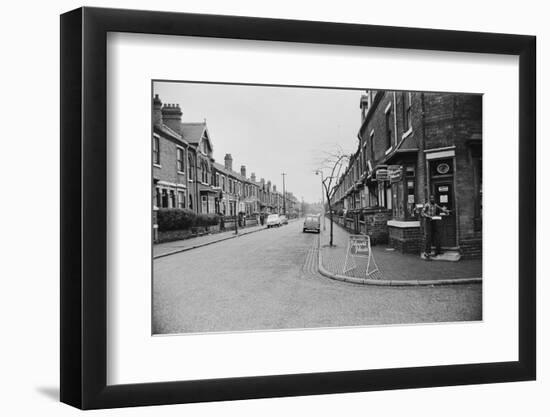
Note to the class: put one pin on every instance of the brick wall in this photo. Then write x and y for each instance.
(471, 248)
(406, 239)
(168, 170)
(173, 235)
(375, 224)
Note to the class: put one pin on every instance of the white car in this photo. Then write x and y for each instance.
(273, 220)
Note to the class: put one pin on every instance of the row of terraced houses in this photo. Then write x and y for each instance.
(186, 175)
(412, 145)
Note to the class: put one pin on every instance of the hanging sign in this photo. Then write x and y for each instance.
(382, 175)
(395, 172)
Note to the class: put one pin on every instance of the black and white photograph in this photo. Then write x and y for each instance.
(280, 207)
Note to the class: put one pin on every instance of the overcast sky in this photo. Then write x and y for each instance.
(271, 130)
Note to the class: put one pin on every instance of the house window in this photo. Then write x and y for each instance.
(164, 199)
(181, 199)
(407, 115)
(179, 159)
(217, 184)
(388, 129)
(365, 157)
(157, 197)
(156, 150)
(223, 183)
(371, 144)
(204, 204)
(172, 199)
(191, 167)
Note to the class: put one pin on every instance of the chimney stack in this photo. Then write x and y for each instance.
(171, 116)
(274, 188)
(243, 171)
(228, 162)
(364, 106)
(269, 186)
(253, 177)
(157, 111)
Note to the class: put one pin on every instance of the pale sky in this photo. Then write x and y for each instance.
(271, 130)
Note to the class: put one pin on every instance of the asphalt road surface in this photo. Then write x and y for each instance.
(269, 280)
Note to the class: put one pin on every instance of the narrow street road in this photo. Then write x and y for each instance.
(269, 280)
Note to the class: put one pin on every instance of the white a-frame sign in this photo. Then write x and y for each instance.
(359, 247)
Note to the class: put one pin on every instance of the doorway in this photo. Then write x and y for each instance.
(443, 191)
(442, 188)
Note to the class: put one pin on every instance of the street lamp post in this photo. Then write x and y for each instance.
(322, 198)
(284, 194)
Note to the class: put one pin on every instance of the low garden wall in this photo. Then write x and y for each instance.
(371, 222)
(178, 224)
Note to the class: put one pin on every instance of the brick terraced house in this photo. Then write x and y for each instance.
(412, 145)
(186, 175)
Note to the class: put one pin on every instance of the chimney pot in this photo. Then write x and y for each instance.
(171, 116)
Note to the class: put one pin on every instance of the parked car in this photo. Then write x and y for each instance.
(312, 223)
(284, 219)
(273, 220)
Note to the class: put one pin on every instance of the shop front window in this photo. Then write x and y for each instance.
(397, 200)
(410, 179)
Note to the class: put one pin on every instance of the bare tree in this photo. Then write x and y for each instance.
(333, 162)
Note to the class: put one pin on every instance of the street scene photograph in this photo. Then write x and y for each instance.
(290, 207)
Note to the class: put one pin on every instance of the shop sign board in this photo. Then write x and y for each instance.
(382, 175)
(395, 172)
(359, 247)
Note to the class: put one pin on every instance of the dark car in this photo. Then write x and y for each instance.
(312, 223)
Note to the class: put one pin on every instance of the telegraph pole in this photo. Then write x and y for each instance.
(284, 194)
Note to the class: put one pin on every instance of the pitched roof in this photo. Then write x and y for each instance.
(409, 143)
(237, 175)
(192, 132)
(168, 132)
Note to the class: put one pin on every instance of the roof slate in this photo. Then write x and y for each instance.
(192, 132)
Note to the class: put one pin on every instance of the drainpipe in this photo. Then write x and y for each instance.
(421, 146)
(395, 117)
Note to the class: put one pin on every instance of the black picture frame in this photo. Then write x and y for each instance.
(84, 207)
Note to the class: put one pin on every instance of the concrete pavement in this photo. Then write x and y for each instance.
(269, 280)
(394, 268)
(169, 248)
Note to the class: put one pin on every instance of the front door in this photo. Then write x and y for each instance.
(442, 189)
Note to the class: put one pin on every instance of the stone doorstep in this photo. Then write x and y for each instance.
(448, 256)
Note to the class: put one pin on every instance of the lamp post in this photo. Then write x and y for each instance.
(322, 198)
(284, 194)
